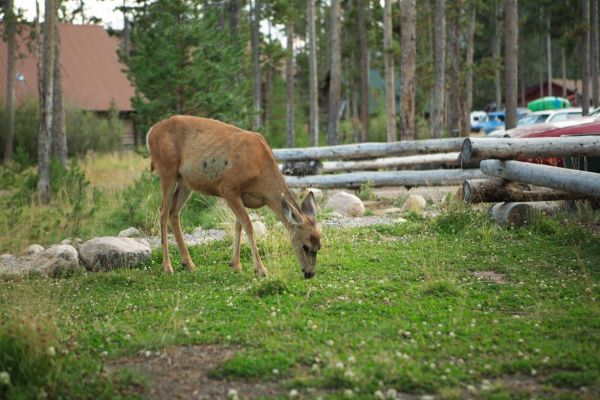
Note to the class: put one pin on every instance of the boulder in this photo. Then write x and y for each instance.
(32, 250)
(8, 264)
(346, 204)
(260, 229)
(107, 253)
(75, 242)
(415, 203)
(57, 260)
(130, 232)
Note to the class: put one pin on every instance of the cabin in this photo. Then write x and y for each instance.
(571, 89)
(92, 76)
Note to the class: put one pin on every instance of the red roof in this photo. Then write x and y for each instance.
(92, 75)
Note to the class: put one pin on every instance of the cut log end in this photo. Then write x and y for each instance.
(467, 152)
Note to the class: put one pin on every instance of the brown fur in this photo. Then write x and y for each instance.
(211, 157)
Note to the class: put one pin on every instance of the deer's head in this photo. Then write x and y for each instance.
(304, 232)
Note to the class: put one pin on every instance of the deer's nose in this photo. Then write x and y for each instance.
(308, 275)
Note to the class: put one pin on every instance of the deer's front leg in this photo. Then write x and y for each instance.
(237, 236)
(236, 205)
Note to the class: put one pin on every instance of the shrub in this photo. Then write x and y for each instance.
(85, 131)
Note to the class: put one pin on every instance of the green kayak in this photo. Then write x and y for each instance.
(548, 103)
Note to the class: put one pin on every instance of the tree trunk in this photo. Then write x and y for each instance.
(585, 103)
(440, 69)
(388, 60)
(46, 106)
(256, 65)
(335, 84)
(510, 63)
(466, 126)
(569, 180)
(10, 25)
(313, 118)
(512, 148)
(494, 190)
(289, 85)
(59, 131)
(549, 55)
(234, 16)
(456, 89)
(364, 72)
(563, 67)
(496, 52)
(408, 21)
(594, 54)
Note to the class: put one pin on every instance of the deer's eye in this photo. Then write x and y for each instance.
(305, 248)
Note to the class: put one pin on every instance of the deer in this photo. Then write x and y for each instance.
(193, 154)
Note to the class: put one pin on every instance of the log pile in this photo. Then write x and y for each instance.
(525, 189)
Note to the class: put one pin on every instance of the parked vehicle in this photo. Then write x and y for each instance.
(496, 120)
(585, 129)
(478, 118)
(539, 117)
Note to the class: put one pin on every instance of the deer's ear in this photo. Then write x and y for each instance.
(289, 212)
(309, 206)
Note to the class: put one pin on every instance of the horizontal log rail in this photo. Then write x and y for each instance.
(440, 177)
(493, 190)
(512, 148)
(391, 162)
(569, 180)
(369, 150)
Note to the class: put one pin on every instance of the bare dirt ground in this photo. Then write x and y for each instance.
(184, 373)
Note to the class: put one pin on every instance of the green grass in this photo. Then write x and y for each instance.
(390, 307)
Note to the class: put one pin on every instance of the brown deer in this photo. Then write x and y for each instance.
(211, 157)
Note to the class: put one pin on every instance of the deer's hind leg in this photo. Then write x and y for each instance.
(237, 206)
(237, 236)
(180, 196)
(167, 184)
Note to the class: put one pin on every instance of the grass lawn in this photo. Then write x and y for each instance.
(453, 306)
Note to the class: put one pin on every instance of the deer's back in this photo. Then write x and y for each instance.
(206, 154)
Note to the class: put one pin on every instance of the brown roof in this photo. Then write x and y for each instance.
(92, 75)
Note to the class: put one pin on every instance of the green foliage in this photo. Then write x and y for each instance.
(184, 63)
(271, 287)
(139, 205)
(86, 131)
(365, 192)
(253, 366)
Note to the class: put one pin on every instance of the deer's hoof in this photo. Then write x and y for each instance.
(261, 272)
(237, 267)
(168, 269)
(189, 266)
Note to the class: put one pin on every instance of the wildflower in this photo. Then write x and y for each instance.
(315, 367)
(349, 374)
(348, 393)
(275, 371)
(391, 393)
(293, 394)
(232, 394)
(4, 378)
(378, 395)
(329, 342)
(339, 365)
(51, 351)
(351, 359)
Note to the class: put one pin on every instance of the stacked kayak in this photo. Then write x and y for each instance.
(548, 103)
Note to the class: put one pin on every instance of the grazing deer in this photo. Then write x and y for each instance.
(211, 157)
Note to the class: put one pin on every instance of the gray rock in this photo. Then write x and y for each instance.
(75, 242)
(107, 253)
(415, 203)
(8, 264)
(130, 232)
(32, 250)
(260, 229)
(346, 204)
(57, 260)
